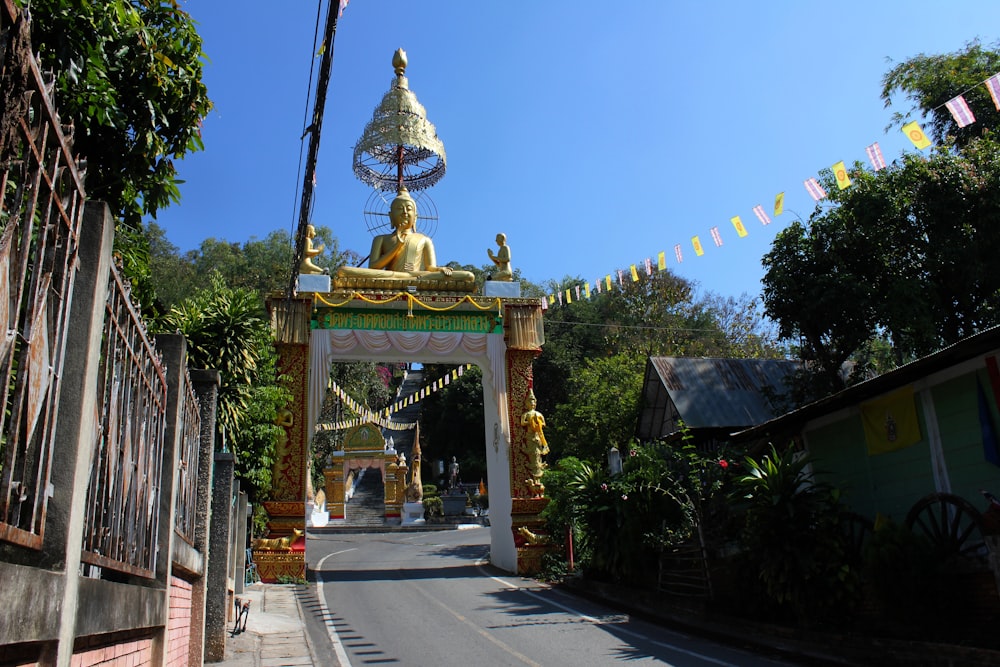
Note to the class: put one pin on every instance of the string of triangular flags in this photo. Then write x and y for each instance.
(957, 106)
(367, 415)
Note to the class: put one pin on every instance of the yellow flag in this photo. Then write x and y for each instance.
(741, 231)
(916, 135)
(890, 422)
(840, 173)
(661, 261)
(607, 281)
(586, 289)
(696, 242)
(779, 203)
(568, 299)
(635, 274)
(552, 299)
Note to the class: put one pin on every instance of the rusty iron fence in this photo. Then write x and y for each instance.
(41, 210)
(123, 498)
(187, 468)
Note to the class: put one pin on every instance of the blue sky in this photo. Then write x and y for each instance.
(593, 134)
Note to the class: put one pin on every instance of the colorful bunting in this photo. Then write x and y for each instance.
(741, 230)
(960, 111)
(815, 190)
(607, 281)
(661, 261)
(779, 204)
(696, 242)
(635, 274)
(677, 253)
(761, 215)
(586, 289)
(569, 299)
(916, 135)
(993, 85)
(621, 278)
(716, 237)
(840, 173)
(875, 156)
(649, 266)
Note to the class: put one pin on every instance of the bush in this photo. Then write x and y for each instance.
(433, 506)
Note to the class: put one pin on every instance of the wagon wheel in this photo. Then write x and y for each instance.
(951, 523)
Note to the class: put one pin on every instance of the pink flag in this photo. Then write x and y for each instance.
(714, 231)
(960, 111)
(577, 292)
(545, 304)
(677, 253)
(597, 285)
(761, 215)
(343, 5)
(559, 296)
(993, 85)
(649, 266)
(875, 156)
(621, 279)
(816, 191)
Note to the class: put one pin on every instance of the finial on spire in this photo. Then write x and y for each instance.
(399, 62)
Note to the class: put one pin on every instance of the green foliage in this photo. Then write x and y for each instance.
(129, 76)
(895, 559)
(604, 408)
(929, 81)
(434, 506)
(452, 421)
(227, 330)
(795, 556)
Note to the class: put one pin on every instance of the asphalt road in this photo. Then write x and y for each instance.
(431, 599)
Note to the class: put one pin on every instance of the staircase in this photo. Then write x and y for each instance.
(367, 507)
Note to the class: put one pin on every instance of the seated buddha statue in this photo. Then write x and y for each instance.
(404, 254)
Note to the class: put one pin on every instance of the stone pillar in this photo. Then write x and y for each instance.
(335, 489)
(76, 430)
(239, 545)
(524, 340)
(395, 479)
(173, 351)
(206, 385)
(217, 602)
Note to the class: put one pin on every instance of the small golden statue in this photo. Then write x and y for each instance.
(535, 444)
(311, 251)
(414, 493)
(501, 259)
(405, 253)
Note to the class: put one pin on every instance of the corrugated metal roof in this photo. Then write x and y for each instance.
(721, 393)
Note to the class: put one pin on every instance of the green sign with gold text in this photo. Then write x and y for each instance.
(399, 320)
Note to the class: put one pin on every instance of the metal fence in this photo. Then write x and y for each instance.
(123, 498)
(187, 468)
(41, 210)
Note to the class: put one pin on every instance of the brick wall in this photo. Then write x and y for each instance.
(179, 623)
(134, 653)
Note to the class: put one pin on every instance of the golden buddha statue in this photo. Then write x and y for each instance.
(311, 250)
(502, 260)
(405, 254)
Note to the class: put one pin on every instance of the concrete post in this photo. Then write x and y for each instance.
(217, 596)
(76, 431)
(206, 385)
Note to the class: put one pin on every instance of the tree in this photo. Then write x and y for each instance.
(129, 76)
(931, 81)
(227, 330)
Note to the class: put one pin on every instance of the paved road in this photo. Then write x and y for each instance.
(430, 599)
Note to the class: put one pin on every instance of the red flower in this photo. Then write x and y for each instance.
(632, 452)
(604, 487)
(724, 463)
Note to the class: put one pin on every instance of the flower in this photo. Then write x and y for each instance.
(624, 496)
(633, 452)
(604, 487)
(724, 463)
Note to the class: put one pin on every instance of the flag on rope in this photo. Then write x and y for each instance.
(661, 261)
(343, 5)
(577, 292)
(815, 190)
(890, 422)
(545, 304)
(696, 242)
(597, 285)
(559, 296)
(993, 85)
(875, 156)
(741, 230)
(551, 299)
(960, 111)
(586, 290)
(649, 266)
(569, 299)
(621, 278)
(635, 274)
(460, 369)
(916, 135)
(761, 215)
(840, 173)
(779, 204)
(677, 253)
(714, 231)
(607, 281)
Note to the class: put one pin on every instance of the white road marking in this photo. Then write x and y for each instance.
(338, 647)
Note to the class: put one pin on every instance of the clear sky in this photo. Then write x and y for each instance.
(593, 134)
